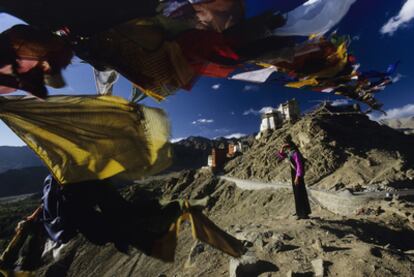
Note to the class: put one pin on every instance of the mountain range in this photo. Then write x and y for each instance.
(17, 157)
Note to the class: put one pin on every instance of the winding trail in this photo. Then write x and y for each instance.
(343, 203)
(255, 185)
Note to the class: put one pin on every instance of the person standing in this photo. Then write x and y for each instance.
(290, 151)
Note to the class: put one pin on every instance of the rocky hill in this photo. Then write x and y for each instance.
(371, 244)
(341, 150)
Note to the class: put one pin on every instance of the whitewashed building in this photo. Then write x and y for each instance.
(275, 118)
(289, 110)
(210, 161)
(270, 120)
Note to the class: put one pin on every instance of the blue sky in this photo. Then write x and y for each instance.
(382, 32)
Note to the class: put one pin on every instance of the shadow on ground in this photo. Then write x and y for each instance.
(371, 232)
(253, 270)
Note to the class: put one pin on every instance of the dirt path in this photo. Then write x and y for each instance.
(254, 185)
(342, 203)
(258, 185)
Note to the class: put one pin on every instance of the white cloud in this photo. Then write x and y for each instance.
(232, 113)
(251, 88)
(174, 140)
(235, 135)
(401, 112)
(221, 130)
(405, 15)
(251, 111)
(202, 121)
(216, 86)
(340, 102)
(258, 112)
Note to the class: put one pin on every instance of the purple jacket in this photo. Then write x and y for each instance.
(295, 161)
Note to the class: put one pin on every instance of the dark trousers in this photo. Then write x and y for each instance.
(97, 210)
(301, 197)
(102, 215)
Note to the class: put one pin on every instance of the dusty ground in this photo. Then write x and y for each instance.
(375, 243)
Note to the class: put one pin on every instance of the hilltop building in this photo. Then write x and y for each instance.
(289, 111)
(275, 118)
(271, 120)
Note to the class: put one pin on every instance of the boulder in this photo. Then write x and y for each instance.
(249, 266)
(318, 267)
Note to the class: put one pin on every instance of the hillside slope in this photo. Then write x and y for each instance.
(365, 245)
(346, 150)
